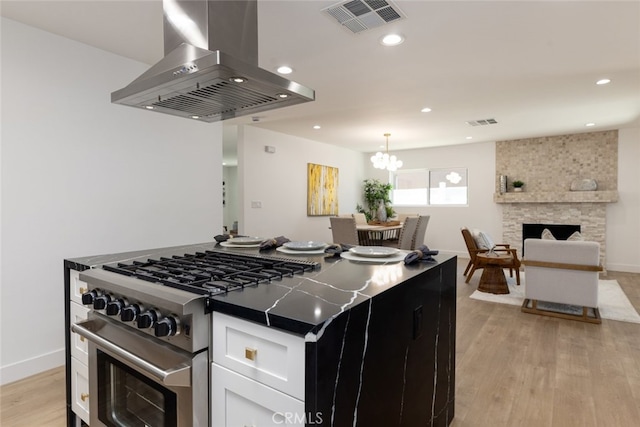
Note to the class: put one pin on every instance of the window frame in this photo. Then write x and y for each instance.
(428, 175)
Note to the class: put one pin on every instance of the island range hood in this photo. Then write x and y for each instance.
(210, 70)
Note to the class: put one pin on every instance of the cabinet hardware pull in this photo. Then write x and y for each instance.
(81, 338)
(84, 396)
(250, 353)
(82, 290)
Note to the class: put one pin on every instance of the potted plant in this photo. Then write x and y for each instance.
(517, 185)
(377, 198)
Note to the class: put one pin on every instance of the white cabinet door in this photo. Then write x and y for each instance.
(79, 345)
(264, 354)
(76, 286)
(80, 389)
(238, 401)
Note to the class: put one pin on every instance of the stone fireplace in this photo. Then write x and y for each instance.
(548, 166)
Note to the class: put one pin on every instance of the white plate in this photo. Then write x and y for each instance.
(399, 257)
(304, 246)
(246, 240)
(373, 251)
(301, 253)
(228, 244)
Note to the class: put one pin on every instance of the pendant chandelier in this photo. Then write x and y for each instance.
(384, 160)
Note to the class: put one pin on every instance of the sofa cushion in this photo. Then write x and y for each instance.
(575, 237)
(547, 235)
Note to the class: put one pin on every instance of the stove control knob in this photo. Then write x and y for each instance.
(130, 313)
(147, 319)
(114, 307)
(100, 302)
(88, 297)
(166, 327)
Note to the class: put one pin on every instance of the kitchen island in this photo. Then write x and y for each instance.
(378, 339)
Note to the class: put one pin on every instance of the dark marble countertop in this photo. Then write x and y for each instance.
(304, 304)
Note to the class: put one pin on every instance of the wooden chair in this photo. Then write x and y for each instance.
(421, 230)
(407, 233)
(360, 218)
(344, 230)
(473, 249)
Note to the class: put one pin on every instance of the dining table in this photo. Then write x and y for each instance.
(378, 234)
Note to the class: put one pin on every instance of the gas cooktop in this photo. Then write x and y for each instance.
(213, 272)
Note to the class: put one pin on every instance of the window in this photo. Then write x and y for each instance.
(427, 187)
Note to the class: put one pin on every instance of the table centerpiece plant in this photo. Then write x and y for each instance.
(377, 197)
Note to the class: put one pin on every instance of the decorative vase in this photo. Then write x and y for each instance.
(503, 184)
(382, 212)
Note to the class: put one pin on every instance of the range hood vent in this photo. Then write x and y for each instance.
(210, 70)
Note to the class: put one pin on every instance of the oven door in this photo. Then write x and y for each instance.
(135, 380)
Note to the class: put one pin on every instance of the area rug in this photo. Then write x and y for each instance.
(612, 301)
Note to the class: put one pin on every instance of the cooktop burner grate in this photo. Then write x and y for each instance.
(212, 272)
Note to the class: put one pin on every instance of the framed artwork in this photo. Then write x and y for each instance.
(322, 190)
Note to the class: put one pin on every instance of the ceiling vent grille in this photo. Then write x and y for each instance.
(360, 15)
(482, 122)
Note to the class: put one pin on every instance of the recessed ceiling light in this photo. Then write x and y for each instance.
(590, 124)
(316, 127)
(237, 79)
(224, 164)
(469, 137)
(392, 40)
(425, 110)
(603, 81)
(285, 70)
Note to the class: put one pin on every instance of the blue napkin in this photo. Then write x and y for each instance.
(276, 242)
(423, 253)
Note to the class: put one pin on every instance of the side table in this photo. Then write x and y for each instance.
(493, 279)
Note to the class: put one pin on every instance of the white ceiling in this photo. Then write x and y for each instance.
(530, 65)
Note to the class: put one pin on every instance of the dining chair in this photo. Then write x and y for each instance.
(360, 218)
(407, 232)
(402, 216)
(421, 230)
(344, 230)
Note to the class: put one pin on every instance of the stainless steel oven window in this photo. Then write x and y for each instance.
(128, 398)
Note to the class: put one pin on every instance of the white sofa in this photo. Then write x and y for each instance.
(562, 271)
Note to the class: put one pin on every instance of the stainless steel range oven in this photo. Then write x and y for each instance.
(149, 333)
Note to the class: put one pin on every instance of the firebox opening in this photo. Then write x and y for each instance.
(559, 231)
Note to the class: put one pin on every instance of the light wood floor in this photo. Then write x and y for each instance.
(512, 369)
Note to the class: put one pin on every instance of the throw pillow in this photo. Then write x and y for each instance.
(576, 236)
(547, 235)
(483, 240)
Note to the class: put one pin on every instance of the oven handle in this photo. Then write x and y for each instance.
(176, 376)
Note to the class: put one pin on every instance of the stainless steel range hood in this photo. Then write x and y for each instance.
(210, 70)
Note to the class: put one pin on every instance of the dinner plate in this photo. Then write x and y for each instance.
(301, 253)
(228, 244)
(373, 251)
(304, 246)
(246, 240)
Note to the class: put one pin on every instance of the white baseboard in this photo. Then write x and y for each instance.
(625, 268)
(26, 368)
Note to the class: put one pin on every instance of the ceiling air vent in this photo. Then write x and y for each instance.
(482, 122)
(360, 15)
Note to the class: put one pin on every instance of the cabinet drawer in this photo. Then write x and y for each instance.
(80, 389)
(238, 401)
(76, 286)
(79, 345)
(272, 357)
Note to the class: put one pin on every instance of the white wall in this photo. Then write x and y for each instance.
(230, 210)
(279, 182)
(443, 230)
(82, 176)
(623, 217)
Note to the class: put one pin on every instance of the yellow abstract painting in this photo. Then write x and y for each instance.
(322, 190)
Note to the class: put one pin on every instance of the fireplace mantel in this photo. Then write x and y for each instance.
(557, 197)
